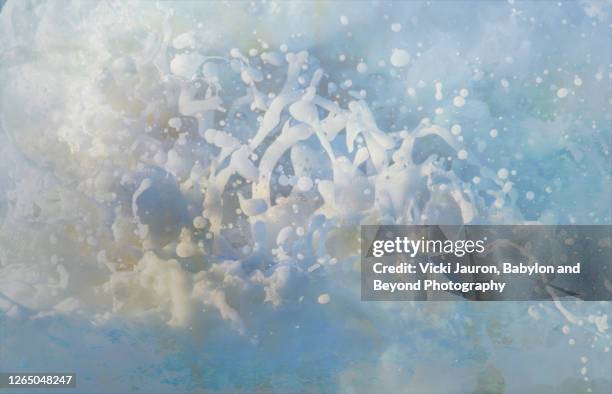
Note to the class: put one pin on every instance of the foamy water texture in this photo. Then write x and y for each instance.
(182, 184)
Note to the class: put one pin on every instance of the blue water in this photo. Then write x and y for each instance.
(538, 72)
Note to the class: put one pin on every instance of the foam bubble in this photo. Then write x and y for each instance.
(324, 299)
(399, 58)
(304, 183)
(458, 101)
